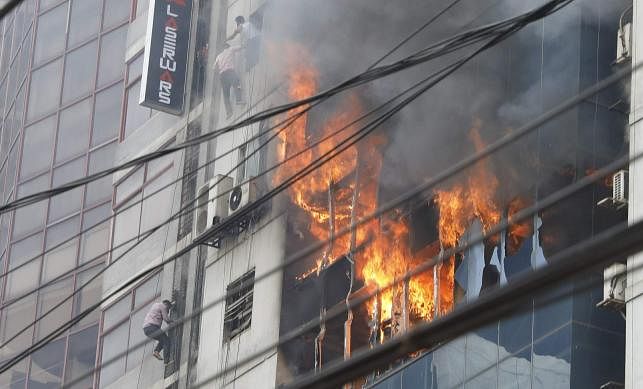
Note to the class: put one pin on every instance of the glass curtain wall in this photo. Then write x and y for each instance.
(62, 94)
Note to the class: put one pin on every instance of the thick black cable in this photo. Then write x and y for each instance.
(447, 45)
(490, 307)
(530, 17)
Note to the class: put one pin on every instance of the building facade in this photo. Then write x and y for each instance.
(63, 97)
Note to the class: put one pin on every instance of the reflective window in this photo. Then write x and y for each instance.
(44, 4)
(6, 49)
(73, 131)
(136, 114)
(116, 11)
(117, 312)
(11, 168)
(157, 207)
(135, 68)
(62, 259)
(80, 72)
(89, 295)
(126, 226)
(142, 6)
(84, 20)
(4, 231)
(14, 318)
(133, 218)
(112, 55)
(68, 202)
(130, 185)
(552, 357)
(147, 291)
(95, 242)
(113, 344)
(16, 376)
(47, 366)
(99, 160)
(44, 90)
(26, 277)
(81, 356)
(136, 335)
(107, 114)
(50, 297)
(50, 36)
(31, 217)
(37, 150)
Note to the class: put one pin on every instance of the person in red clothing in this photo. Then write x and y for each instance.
(158, 313)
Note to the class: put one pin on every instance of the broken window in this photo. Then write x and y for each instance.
(238, 305)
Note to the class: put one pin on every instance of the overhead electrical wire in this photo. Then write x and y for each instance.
(428, 53)
(196, 242)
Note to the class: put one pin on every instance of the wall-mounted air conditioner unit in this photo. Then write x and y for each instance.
(624, 43)
(242, 195)
(620, 188)
(614, 284)
(212, 203)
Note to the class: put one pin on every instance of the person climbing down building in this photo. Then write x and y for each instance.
(229, 78)
(158, 313)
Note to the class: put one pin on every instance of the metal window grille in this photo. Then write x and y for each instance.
(238, 308)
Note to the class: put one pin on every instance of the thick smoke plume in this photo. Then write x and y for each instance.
(501, 89)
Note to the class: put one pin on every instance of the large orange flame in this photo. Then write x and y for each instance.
(387, 255)
(460, 204)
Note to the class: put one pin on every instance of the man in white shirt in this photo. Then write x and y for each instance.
(250, 40)
(224, 63)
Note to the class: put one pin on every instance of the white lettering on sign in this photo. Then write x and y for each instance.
(165, 91)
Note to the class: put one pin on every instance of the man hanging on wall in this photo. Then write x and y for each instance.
(158, 313)
(229, 78)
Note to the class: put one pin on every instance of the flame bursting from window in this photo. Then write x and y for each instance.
(386, 255)
(478, 198)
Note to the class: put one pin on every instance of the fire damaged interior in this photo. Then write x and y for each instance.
(549, 345)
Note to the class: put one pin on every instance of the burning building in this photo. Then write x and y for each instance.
(302, 48)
